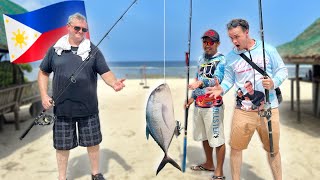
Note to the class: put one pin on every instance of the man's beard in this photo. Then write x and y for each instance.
(208, 56)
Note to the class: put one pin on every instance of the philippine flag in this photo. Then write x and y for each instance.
(29, 35)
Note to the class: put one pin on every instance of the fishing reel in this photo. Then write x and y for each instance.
(266, 111)
(44, 119)
(178, 128)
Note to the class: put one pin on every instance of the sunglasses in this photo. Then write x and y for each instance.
(77, 28)
(208, 43)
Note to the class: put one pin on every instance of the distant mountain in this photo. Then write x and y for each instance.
(305, 45)
(7, 7)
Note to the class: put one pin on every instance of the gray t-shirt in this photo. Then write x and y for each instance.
(80, 98)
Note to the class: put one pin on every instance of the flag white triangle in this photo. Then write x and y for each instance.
(19, 37)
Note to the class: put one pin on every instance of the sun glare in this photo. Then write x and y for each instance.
(19, 38)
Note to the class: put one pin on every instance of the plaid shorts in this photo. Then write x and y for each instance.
(65, 132)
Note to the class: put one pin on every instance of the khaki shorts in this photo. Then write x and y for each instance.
(208, 125)
(245, 123)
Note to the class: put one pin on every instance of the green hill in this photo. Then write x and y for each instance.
(306, 44)
(7, 7)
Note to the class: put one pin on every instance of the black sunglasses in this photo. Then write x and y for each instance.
(77, 28)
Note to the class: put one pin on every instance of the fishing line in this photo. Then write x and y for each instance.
(164, 41)
(44, 119)
(72, 78)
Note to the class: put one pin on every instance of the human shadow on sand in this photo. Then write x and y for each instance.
(80, 166)
(308, 124)
(195, 156)
(9, 137)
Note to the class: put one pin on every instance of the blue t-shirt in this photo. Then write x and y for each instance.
(208, 69)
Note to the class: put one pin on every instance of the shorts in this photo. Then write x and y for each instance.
(65, 132)
(244, 124)
(208, 125)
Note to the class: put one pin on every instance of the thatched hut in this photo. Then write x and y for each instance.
(14, 90)
(305, 49)
(7, 7)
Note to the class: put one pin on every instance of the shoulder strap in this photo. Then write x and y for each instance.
(253, 65)
(278, 92)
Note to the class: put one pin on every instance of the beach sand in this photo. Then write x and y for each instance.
(127, 154)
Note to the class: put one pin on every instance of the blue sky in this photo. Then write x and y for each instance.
(154, 30)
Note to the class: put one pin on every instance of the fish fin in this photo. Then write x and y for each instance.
(147, 132)
(162, 142)
(166, 159)
(164, 110)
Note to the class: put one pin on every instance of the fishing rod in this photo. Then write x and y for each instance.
(267, 106)
(187, 94)
(44, 119)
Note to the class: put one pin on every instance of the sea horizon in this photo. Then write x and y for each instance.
(158, 69)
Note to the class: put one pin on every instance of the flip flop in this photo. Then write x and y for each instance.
(200, 168)
(218, 177)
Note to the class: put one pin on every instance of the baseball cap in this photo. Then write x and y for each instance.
(211, 34)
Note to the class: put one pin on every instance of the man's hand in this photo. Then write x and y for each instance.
(47, 102)
(187, 104)
(267, 83)
(118, 85)
(214, 91)
(195, 85)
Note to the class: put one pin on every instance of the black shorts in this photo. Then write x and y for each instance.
(65, 133)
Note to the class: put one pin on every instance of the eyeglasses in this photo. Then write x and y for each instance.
(208, 43)
(77, 28)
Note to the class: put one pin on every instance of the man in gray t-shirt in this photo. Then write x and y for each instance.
(75, 105)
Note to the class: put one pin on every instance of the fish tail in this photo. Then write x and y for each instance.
(166, 159)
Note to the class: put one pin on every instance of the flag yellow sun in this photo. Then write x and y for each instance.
(19, 38)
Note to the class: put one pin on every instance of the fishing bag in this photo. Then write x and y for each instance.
(278, 91)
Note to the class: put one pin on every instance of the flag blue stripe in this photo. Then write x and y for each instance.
(50, 17)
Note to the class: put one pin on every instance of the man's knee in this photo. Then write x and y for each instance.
(268, 149)
(93, 148)
(236, 151)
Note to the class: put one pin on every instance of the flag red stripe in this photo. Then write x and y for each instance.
(39, 48)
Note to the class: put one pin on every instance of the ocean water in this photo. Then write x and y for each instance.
(152, 69)
(175, 69)
(157, 69)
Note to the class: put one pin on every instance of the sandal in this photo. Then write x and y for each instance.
(200, 168)
(218, 177)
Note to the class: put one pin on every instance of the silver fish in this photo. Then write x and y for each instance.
(161, 124)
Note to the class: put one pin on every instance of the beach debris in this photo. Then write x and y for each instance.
(161, 124)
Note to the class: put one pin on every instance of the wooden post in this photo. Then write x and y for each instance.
(2, 118)
(141, 73)
(317, 99)
(145, 79)
(292, 95)
(298, 93)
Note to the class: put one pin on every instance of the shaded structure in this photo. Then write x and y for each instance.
(15, 91)
(7, 7)
(305, 49)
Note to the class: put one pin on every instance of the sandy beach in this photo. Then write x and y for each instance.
(126, 154)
